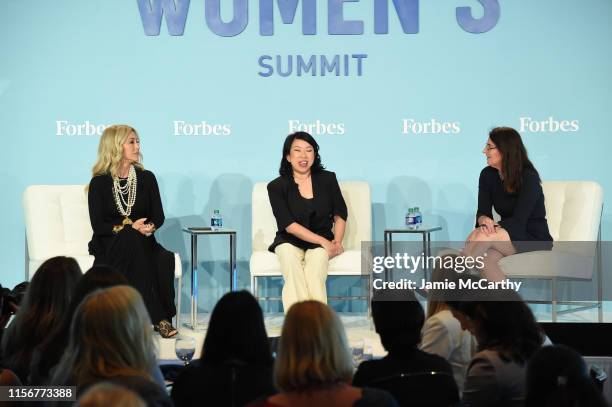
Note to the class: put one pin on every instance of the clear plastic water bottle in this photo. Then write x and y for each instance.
(216, 220)
(418, 218)
(410, 220)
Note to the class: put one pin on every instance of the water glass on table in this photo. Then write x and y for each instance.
(184, 347)
(357, 352)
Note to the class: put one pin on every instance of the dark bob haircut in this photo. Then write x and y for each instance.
(397, 332)
(285, 169)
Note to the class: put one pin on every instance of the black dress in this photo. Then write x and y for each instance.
(316, 214)
(523, 214)
(146, 264)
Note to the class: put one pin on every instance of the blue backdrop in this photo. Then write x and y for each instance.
(409, 113)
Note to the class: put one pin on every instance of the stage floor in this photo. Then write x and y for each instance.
(358, 327)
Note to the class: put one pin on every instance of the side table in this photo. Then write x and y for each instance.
(195, 232)
(425, 231)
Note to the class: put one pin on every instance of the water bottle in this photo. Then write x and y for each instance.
(216, 220)
(410, 220)
(418, 218)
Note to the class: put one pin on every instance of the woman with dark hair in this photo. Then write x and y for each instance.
(125, 210)
(406, 371)
(311, 217)
(558, 377)
(236, 363)
(48, 354)
(511, 185)
(41, 311)
(507, 336)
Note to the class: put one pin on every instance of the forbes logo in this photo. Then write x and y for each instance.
(65, 128)
(411, 126)
(182, 128)
(317, 128)
(549, 125)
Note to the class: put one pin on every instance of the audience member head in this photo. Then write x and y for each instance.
(286, 170)
(313, 351)
(397, 333)
(110, 150)
(557, 377)
(507, 142)
(503, 323)
(51, 350)
(45, 302)
(110, 336)
(236, 331)
(107, 394)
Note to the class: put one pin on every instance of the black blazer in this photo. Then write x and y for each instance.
(523, 214)
(316, 214)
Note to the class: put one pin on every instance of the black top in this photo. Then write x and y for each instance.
(222, 384)
(103, 212)
(418, 387)
(316, 214)
(523, 214)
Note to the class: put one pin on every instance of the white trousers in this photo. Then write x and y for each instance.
(304, 272)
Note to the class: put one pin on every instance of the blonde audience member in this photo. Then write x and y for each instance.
(108, 394)
(314, 366)
(111, 340)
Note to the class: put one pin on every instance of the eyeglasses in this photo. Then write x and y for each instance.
(489, 148)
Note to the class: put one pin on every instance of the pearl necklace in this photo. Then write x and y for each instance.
(128, 189)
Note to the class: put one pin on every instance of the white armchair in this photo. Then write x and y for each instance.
(57, 224)
(573, 211)
(358, 229)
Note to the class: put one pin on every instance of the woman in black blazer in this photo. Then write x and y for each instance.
(311, 217)
(511, 185)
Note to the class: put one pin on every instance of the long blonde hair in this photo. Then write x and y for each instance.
(110, 394)
(110, 150)
(313, 350)
(110, 336)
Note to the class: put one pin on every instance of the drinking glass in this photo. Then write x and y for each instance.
(184, 347)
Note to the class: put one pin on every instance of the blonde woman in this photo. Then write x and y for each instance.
(107, 394)
(314, 366)
(111, 340)
(125, 210)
